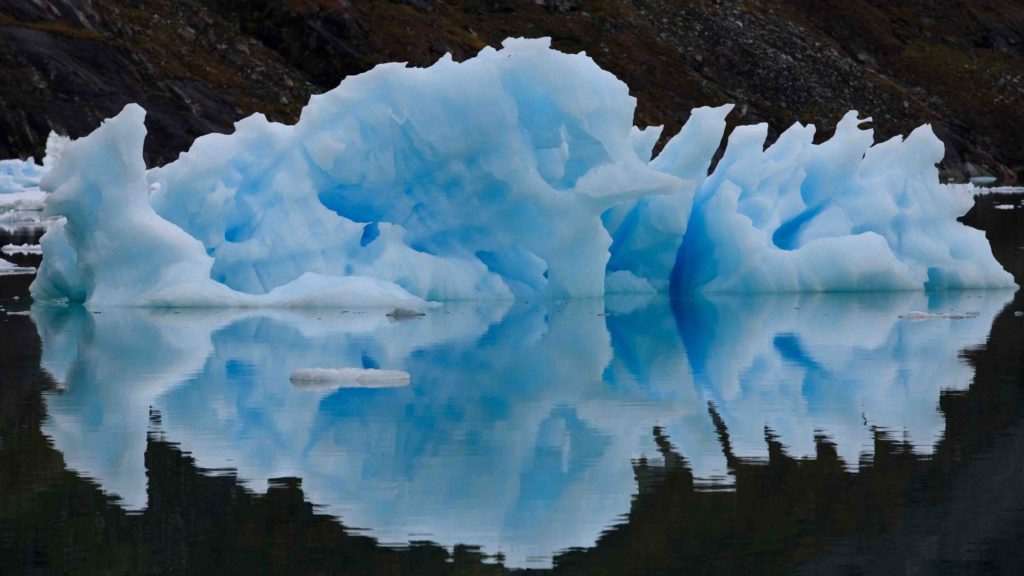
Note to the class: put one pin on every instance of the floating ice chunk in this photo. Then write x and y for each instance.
(1005, 206)
(17, 176)
(918, 315)
(22, 249)
(31, 199)
(11, 269)
(973, 190)
(333, 378)
(404, 314)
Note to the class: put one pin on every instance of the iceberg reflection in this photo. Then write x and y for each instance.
(518, 426)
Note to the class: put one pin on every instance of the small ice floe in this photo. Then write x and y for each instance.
(983, 180)
(917, 315)
(1005, 206)
(29, 200)
(404, 314)
(22, 249)
(1018, 313)
(333, 378)
(12, 269)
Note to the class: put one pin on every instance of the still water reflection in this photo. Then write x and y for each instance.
(525, 428)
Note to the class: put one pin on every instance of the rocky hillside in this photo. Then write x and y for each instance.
(199, 65)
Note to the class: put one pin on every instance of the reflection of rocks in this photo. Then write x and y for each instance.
(1003, 228)
(519, 425)
(958, 511)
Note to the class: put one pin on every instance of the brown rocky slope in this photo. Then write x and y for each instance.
(199, 65)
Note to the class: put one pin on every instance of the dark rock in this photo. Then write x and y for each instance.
(560, 5)
(199, 65)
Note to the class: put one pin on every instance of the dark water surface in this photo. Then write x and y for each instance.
(808, 434)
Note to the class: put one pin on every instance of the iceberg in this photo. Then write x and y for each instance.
(21, 200)
(17, 175)
(516, 173)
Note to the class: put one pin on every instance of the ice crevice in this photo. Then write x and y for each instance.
(517, 173)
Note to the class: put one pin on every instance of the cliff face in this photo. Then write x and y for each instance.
(199, 65)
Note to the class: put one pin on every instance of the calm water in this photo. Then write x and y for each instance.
(630, 435)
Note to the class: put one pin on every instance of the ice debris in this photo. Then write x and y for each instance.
(333, 378)
(515, 173)
(22, 175)
(11, 269)
(918, 315)
(22, 249)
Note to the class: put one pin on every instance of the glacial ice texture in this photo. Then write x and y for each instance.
(515, 173)
(518, 423)
(21, 200)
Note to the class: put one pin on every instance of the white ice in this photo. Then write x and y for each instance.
(22, 249)
(332, 378)
(8, 268)
(919, 315)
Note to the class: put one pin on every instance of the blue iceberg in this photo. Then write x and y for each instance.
(517, 173)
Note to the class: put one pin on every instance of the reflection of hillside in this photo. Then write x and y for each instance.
(52, 521)
(954, 511)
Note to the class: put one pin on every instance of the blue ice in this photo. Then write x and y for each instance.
(517, 173)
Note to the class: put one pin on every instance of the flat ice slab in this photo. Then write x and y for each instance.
(917, 315)
(12, 269)
(22, 249)
(333, 378)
